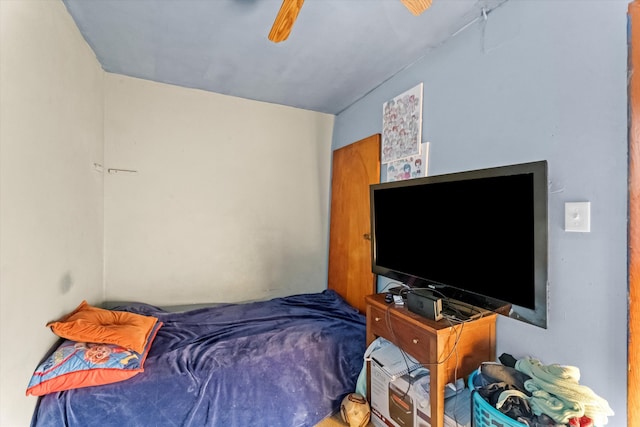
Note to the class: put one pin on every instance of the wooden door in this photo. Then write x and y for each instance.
(633, 349)
(355, 167)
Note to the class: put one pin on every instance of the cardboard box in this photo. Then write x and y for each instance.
(397, 400)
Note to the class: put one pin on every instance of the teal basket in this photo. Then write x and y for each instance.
(485, 415)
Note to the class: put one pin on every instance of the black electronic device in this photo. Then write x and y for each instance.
(425, 303)
(479, 237)
(399, 290)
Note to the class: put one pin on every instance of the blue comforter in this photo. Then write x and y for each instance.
(284, 362)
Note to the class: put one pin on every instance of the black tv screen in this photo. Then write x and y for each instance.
(477, 236)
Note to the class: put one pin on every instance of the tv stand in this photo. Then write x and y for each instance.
(449, 350)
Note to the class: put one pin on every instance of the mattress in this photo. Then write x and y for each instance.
(283, 362)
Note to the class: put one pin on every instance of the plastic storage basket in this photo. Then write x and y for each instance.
(485, 415)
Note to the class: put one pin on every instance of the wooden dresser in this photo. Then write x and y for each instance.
(449, 352)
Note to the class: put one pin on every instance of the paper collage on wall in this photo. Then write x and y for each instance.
(403, 154)
(409, 167)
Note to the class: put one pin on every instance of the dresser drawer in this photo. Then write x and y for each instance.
(415, 341)
(379, 322)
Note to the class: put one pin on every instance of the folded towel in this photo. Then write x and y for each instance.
(562, 382)
(560, 410)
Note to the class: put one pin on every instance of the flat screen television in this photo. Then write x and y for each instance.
(478, 236)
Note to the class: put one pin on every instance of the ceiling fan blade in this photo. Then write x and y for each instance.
(284, 21)
(417, 6)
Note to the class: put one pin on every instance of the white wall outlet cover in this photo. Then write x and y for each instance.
(577, 216)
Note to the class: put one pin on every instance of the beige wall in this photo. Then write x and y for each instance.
(230, 198)
(51, 199)
(230, 201)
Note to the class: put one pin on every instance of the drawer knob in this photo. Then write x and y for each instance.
(377, 319)
(415, 340)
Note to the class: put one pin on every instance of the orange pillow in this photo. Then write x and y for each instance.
(97, 325)
(74, 365)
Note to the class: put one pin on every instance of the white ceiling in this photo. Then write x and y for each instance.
(338, 51)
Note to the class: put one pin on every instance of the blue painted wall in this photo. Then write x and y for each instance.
(541, 80)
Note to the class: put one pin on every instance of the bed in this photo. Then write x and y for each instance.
(283, 362)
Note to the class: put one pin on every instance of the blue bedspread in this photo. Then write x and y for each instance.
(284, 362)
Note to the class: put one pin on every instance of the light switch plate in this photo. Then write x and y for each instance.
(577, 217)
